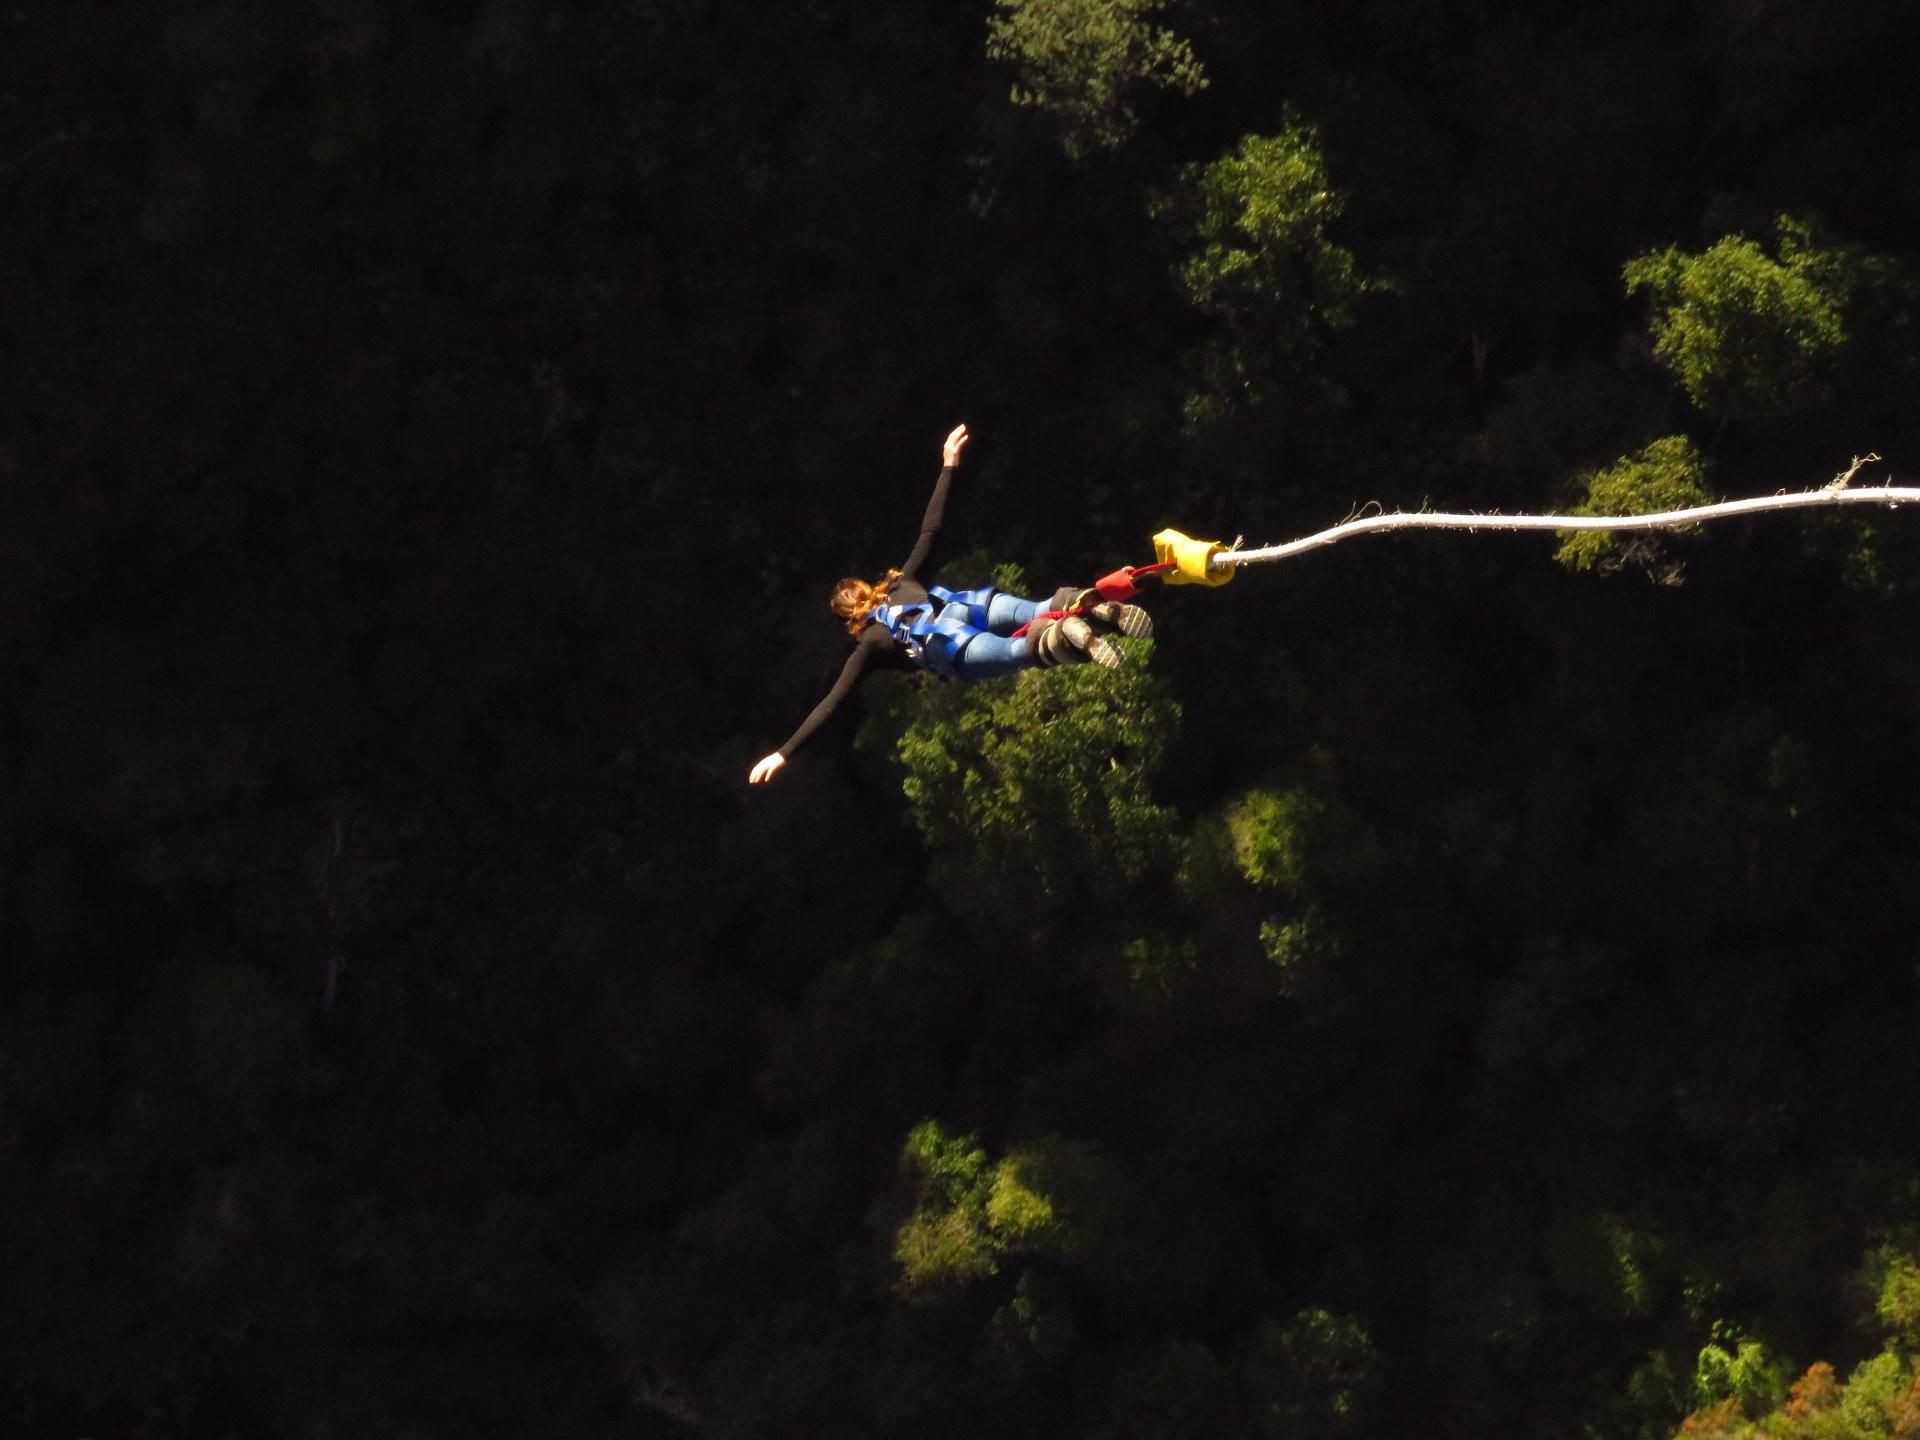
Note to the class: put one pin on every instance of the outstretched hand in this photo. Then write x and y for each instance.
(765, 770)
(950, 452)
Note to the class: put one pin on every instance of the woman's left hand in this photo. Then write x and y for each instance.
(950, 452)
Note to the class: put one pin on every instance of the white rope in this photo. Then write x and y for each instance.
(1661, 520)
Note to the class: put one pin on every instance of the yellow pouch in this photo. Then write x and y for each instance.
(1191, 558)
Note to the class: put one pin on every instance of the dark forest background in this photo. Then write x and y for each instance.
(1442, 985)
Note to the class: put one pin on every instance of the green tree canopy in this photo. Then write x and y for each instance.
(1749, 335)
(1040, 791)
(1257, 225)
(1085, 63)
(1666, 474)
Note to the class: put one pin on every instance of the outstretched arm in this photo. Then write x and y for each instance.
(936, 507)
(768, 766)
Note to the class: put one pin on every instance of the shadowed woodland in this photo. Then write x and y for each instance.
(1447, 985)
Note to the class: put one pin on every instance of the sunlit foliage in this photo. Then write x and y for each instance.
(1258, 226)
(1749, 334)
(1086, 62)
(1043, 786)
(947, 1238)
(1742, 1392)
(1667, 474)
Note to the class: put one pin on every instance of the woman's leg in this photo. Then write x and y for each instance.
(987, 656)
(1007, 613)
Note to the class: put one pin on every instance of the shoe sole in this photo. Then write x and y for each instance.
(1091, 645)
(1130, 620)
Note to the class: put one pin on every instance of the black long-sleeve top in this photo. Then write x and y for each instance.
(876, 644)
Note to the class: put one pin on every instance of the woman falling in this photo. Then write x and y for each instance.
(963, 635)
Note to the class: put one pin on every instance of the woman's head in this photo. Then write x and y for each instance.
(854, 597)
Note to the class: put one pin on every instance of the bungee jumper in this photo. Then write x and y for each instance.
(899, 622)
(974, 634)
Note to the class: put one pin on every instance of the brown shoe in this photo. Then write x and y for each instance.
(1130, 620)
(1071, 641)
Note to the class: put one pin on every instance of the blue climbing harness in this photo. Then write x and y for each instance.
(934, 632)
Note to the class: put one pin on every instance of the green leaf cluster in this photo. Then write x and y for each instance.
(946, 1239)
(1257, 225)
(1666, 474)
(1051, 1198)
(1879, 1400)
(1741, 1391)
(1738, 1368)
(1043, 787)
(1749, 335)
(1085, 63)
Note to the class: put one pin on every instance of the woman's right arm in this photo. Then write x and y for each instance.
(768, 766)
